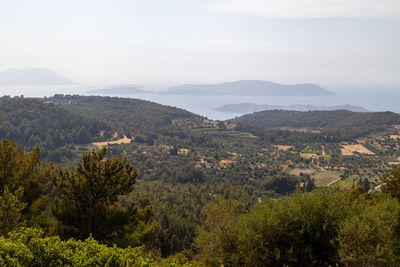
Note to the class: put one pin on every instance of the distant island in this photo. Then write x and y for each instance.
(120, 90)
(32, 76)
(244, 108)
(249, 88)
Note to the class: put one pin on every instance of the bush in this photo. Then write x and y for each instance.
(29, 247)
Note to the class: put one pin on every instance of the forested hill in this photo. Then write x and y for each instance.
(339, 122)
(129, 115)
(29, 122)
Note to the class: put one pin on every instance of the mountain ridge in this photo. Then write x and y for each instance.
(249, 88)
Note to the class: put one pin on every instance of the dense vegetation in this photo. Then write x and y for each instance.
(31, 247)
(127, 115)
(341, 124)
(189, 189)
(31, 122)
(323, 227)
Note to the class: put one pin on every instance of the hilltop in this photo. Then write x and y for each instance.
(31, 122)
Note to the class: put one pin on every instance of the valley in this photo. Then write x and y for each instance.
(185, 160)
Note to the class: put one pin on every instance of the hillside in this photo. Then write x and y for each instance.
(32, 76)
(251, 107)
(129, 115)
(31, 121)
(249, 88)
(342, 123)
(184, 161)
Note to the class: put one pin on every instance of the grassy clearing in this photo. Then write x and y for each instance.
(345, 184)
(324, 178)
(348, 150)
(124, 140)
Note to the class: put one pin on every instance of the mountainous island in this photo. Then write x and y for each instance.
(120, 90)
(251, 107)
(32, 76)
(249, 88)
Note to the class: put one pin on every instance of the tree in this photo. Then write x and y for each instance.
(21, 187)
(369, 236)
(221, 125)
(300, 230)
(17, 167)
(217, 239)
(391, 183)
(11, 210)
(90, 201)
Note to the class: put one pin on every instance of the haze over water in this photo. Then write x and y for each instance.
(373, 99)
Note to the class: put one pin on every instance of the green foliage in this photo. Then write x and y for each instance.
(21, 186)
(217, 239)
(126, 115)
(368, 236)
(90, 204)
(299, 230)
(11, 209)
(16, 167)
(281, 185)
(179, 207)
(391, 183)
(321, 228)
(31, 122)
(29, 247)
(339, 124)
(207, 162)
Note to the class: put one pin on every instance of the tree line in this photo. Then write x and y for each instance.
(338, 125)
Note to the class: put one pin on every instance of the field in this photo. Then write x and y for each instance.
(325, 178)
(124, 140)
(348, 150)
(345, 184)
(308, 155)
(279, 147)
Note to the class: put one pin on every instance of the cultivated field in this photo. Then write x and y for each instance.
(279, 147)
(325, 178)
(124, 140)
(395, 136)
(348, 150)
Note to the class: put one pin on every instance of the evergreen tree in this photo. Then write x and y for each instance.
(90, 202)
(21, 186)
(391, 183)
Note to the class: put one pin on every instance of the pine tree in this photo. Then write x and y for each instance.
(21, 186)
(90, 201)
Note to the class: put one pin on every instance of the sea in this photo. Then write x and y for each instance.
(371, 98)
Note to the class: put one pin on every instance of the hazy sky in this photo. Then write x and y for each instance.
(180, 41)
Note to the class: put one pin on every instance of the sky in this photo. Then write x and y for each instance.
(166, 42)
